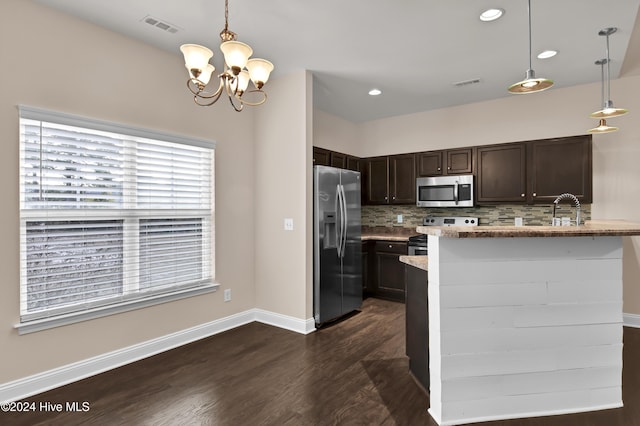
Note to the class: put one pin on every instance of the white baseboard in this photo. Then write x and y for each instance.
(286, 322)
(532, 414)
(631, 320)
(41, 382)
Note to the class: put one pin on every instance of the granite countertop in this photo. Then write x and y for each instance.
(593, 228)
(387, 233)
(420, 262)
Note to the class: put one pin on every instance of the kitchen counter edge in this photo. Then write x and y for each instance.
(420, 262)
(593, 228)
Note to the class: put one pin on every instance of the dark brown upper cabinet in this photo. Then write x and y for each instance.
(338, 160)
(377, 180)
(501, 173)
(429, 163)
(353, 163)
(535, 171)
(321, 156)
(447, 162)
(326, 157)
(561, 165)
(390, 180)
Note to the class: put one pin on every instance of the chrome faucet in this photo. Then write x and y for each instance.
(563, 197)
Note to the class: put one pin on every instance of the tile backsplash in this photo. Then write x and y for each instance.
(502, 214)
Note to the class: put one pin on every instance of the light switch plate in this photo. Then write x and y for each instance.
(288, 224)
(400, 218)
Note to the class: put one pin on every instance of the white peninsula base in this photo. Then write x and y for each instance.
(523, 327)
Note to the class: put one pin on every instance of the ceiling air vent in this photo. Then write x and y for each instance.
(163, 25)
(467, 82)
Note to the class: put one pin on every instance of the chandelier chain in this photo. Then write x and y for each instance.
(226, 15)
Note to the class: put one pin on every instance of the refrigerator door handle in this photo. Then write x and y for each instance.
(344, 222)
(339, 224)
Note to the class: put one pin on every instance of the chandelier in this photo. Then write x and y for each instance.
(238, 69)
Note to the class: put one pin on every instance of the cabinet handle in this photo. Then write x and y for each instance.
(449, 168)
(386, 198)
(439, 169)
(390, 246)
(393, 198)
(534, 194)
(522, 195)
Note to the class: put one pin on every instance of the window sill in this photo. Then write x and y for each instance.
(103, 311)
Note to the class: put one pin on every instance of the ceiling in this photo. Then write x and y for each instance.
(413, 50)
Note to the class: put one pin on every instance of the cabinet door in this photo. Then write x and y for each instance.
(558, 166)
(417, 323)
(501, 173)
(367, 286)
(321, 156)
(459, 161)
(402, 179)
(353, 163)
(377, 181)
(338, 160)
(389, 271)
(429, 163)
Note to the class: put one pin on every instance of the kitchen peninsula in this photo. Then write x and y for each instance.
(524, 321)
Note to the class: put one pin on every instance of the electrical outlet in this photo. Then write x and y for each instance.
(288, 224)
(227, 295)
(400, 218)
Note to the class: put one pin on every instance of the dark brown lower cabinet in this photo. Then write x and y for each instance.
(367, 288)
(388, 279)
(417, 324)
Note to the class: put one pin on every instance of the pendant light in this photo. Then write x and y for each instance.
(602, 127)
(530, 84)
(608, 110)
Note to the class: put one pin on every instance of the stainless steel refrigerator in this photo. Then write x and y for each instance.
(337, 245)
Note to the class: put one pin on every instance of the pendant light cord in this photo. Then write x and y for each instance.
(608, 71)
(529, 13)
(602, 85)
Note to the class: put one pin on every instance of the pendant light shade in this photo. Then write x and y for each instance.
(530, 84)
(608, 110)
(603, 127)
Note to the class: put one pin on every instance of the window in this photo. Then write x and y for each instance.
(111, 217)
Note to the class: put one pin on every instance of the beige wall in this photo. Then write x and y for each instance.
(57, 62)
(556, 112)
(282, 190)
(334, 133)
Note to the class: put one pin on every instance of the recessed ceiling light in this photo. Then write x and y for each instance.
(547, 54)
(375, 92)
(491, 15)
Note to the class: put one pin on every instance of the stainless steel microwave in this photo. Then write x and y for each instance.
(445, 191)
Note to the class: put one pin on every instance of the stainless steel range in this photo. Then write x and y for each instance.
(418, 243)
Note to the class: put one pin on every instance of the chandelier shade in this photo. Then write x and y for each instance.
(196, 57)
(530, 84)
(236, 54)
(259, 71)
(237, 71)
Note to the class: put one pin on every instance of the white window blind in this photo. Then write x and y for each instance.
(109, 214)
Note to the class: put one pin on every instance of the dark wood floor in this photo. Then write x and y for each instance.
(351, 373)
